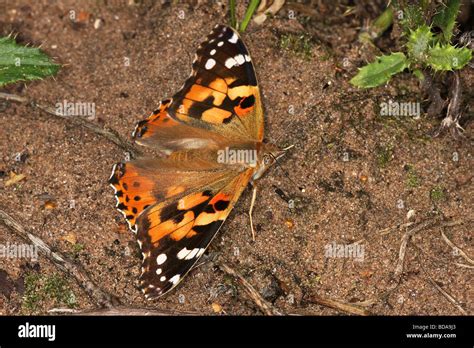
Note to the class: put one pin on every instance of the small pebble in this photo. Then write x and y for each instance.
(97, 23)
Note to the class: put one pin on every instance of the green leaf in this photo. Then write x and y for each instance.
(381, 24)
(20, 63)
(418, 43)
(248, 14)
(233, 20)
(446, 19)
(448, 57)
(410, 16)
(380, 71)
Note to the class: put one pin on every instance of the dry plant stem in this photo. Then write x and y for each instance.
(261, 303)
(463, 265)
(106, 132)
(459, 250)
(453, 114)
(98, 296)
(443, 292)
(340, 306)
(397, 275)
(394, 228)
(447, 296)
(120, 310)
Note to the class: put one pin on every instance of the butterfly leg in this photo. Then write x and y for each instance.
(252, 203)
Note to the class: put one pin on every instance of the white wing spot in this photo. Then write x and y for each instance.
(230, 62)
(220, 43)
(161, 259)
(182, 254)
(213, 52)
(192, 254)
(175, 279)
(234, 38)
(210, 64)
(240, 59)
(247, 58)
(158, 271)
(162, 279)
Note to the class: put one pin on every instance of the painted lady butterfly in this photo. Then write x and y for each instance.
(208, 131)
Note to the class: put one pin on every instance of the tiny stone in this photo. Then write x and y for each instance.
(97, 23)
(410, 214)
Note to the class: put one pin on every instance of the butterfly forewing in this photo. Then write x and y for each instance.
(222, 91)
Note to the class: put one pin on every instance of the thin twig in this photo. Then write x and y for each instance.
(446, 295)
(435, 284)
(106, 132)
(261, 303)
(97, 295)
(120, 310)
(437, 287)
(397, 275)
(394, 227)
(456, 248)
(463, 265)
(338, 305)
(403, 245)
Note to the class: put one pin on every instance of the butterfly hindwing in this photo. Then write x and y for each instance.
(175, 233)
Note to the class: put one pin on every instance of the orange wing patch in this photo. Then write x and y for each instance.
(158, 119)
(133, 192)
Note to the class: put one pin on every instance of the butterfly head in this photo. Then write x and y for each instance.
(270, 154)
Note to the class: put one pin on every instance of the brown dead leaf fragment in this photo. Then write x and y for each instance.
(83, 17)
(366, 274)
(70, 238)
(50, 205)
(216, 308)
(14, 178)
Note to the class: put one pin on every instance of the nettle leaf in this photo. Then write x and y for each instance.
(380, 71)
(446, 18)
(20, 63)
(418, 43)
(448, 57)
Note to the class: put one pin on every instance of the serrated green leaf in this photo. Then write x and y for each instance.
(446, 19)
(448, 57)
(380, 71)
(410, 16)
(418, 43)
(20, 63)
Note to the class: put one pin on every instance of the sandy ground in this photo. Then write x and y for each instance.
(361, 172)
